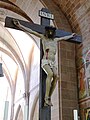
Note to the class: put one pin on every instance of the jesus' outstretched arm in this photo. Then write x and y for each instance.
(65, 37)
(25, 29)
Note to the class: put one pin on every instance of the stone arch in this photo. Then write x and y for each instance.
(14, 50)
(14, 8)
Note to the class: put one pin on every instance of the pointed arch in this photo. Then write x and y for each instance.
(8, 40)
(14, 8)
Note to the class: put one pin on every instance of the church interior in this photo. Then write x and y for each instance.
(19, 83)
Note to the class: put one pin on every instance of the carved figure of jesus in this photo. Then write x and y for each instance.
(48, 61)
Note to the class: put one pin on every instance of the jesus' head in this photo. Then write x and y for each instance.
(50, 31)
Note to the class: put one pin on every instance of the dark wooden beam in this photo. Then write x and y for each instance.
(41, 29)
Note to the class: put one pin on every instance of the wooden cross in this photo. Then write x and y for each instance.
(46, 16)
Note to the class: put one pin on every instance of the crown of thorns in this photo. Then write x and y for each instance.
(50, 28)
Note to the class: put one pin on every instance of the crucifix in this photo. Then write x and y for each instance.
(49, 36)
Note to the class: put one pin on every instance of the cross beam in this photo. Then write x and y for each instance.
(41, 29)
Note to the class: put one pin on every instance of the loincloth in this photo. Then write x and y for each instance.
(48, 62)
